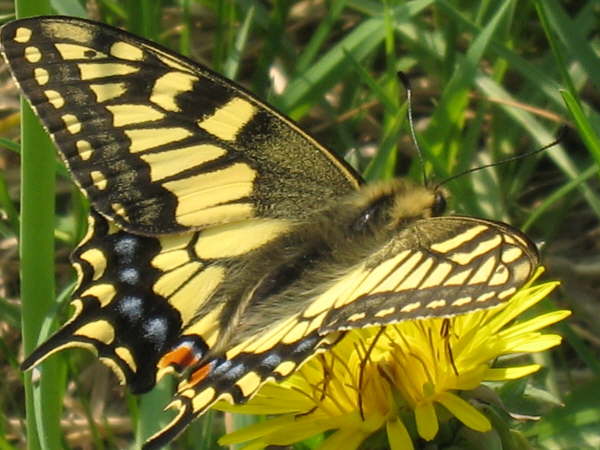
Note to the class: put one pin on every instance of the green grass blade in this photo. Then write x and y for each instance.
(10, 145)
(541, 135)
(310, 52)
(566, 38)
(150, 417)
(450, 113)
(232, 62)
(69, 8)
(307, 87)
(561, 193)
(9, 210)
(44, 400)
(586, 131)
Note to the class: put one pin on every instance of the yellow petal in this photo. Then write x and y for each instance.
(398, 436)
(537, 344)
(256, 445)
(510, 373)
(272, 399)
(427, 423)
(256, 430)
(523, 300)
(309, 425)
(469, 379)
(536, 323)
(346, 438)
(464, 412)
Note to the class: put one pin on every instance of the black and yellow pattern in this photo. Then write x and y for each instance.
(224, 243)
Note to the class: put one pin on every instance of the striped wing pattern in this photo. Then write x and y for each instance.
(463, 264)
(236, 377)
(137, 293)
(114, 296)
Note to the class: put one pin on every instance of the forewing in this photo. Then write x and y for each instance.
(440, 267)
(159, 143)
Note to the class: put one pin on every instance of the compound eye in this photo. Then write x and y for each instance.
(374, 215)
(439, 204)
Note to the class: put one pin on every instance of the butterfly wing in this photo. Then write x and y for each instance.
(136, 293)
(159, 143)
(438, 267)
(238, 375)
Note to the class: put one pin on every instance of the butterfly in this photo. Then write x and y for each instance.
(225, 245)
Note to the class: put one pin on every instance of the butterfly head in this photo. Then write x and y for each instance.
(392, 204)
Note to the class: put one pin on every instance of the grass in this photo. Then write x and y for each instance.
(491, 80)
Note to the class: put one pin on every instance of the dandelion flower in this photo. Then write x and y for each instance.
(394, 379)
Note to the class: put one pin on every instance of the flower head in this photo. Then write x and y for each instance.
(395, 378)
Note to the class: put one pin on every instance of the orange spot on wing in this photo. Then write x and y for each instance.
(180, 357)
(199, 374)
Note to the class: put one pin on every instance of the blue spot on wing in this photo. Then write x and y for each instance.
(271, 361)
(131, 308)
(155, 330)
(129, 275)
(125, 247)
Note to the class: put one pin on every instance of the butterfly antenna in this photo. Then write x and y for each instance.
(559, 138)
(406, 82)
